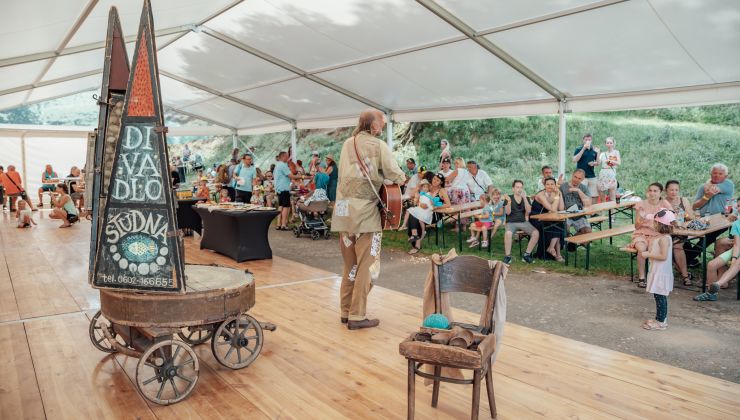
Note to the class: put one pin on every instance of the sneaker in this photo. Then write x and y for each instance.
(527, 258)
(484, 244)
(474, 244)
(471, 239)
(507, 259)
(706, 297)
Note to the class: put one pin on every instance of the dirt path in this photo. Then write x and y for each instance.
(703, 337)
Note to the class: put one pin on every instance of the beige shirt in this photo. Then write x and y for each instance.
(356, 208)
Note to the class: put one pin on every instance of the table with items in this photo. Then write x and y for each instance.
(236, 230)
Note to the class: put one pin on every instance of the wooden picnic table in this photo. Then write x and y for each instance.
(717, 222)
(448, 212)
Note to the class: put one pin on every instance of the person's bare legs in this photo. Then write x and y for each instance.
(284, 214)
(641, 246)
(508, 239)
(612, 194)
(405, 221)
(533, 238)
(729, 274)
(496, 225)
(679, 258)
(602, 196)
(41, 196)
(553, 248)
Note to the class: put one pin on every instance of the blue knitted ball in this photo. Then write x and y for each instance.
(437, 321)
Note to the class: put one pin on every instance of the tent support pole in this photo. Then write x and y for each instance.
(23, 160)
(234, 140)
(389, 134)
(561, 138)
(293, 143)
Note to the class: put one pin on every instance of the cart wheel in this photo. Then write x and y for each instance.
(167, 372)
(315, 234)
(198, 334)
(96, 334)
(297, 232)
(234, 335)
(327, 234)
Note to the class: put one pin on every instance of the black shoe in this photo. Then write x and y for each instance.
(527, 258)
(344, 320)
(507, 259)
(693, 263)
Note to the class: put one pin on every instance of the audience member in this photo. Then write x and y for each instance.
(2, 189)
(235, 154)
(575, 193)
(517, 218)
(681, 206)
(412, 183)
(483, 224)
(174, 176)
(607, 181)
(549, 200)
(283, 177)
(203, 191)
(418, 216)
(728, 260)
(24, 215)
(49, 178)
(223, 196)
(458, 182)
(585, 158)
(76, 187)
(186, 153)
(11, 180)
(333, 172)
(711, 198)
(244, 177)
(410, 168)
(446, 169)
(63, 207)
(446, 152)
(547, 172)
(499, 213)
(479, 180)
(645, 232)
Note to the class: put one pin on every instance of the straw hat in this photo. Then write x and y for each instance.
(330, 157)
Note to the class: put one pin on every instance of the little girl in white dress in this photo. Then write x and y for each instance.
(660, 276)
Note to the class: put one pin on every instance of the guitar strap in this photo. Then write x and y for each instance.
(366, 173)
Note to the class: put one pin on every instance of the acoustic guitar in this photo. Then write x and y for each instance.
(390, 206)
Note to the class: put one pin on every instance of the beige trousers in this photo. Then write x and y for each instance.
(361, 254)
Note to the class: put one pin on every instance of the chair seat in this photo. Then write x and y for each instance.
(444, 355)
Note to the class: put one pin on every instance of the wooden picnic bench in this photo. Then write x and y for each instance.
(586, 239)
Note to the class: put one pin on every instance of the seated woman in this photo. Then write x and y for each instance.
(645, 228)
(203, 191)
(549, 200)
(457, 181)
(419, 215)
(64, 209)
(439, 199)
(730, 259)
(684, 212)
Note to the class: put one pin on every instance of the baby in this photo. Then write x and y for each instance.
(224, 196)
(24, 215)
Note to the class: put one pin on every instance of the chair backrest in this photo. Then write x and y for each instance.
(469, 274)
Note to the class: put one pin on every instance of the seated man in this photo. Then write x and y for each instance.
(49, 180)
(547, 172)
(576, 194)
(517, 209)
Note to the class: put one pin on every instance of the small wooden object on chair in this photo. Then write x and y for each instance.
(468, 274)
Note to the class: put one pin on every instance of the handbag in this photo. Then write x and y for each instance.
(22, 191)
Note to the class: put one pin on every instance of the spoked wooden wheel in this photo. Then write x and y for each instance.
(96, 334)
(237, 342)
(167, 372)
(198, 334)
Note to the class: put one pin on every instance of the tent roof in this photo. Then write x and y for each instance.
(268, 65)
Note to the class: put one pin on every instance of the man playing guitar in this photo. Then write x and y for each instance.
(365, 164)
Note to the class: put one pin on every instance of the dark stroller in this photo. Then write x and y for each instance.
(312, 220)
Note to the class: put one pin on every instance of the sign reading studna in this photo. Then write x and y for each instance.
(138, 248)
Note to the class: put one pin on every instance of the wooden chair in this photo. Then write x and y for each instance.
(468, 274)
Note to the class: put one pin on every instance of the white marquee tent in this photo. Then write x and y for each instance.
(254, 66)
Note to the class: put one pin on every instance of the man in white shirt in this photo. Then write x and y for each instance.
(478, 180)
(548, 173)
(412, 184)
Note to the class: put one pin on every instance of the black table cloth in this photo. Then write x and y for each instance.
(187, 218)
(241, 235)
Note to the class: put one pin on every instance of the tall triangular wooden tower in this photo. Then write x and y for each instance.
(115, 79)
(139, 248)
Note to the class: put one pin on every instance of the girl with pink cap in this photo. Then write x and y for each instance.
(660, 276)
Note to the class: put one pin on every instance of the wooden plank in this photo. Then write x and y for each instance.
(38, 290)
(600, 234)
(8, 306)
(19, 392)
(266, 272)
(76, 380)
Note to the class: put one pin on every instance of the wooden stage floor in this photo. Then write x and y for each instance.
(311, 367)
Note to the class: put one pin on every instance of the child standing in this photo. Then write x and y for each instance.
(24, 215)
(660, 276)
(484, 222)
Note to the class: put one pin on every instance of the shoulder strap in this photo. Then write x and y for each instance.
(16, 185)
(366, 172)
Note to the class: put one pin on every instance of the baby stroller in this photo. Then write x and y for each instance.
(312, 220)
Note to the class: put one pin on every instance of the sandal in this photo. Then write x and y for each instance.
(413, 251)
(413, 238)
(706, 297)
(654, 325)
(642, 283)
(688, 280)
